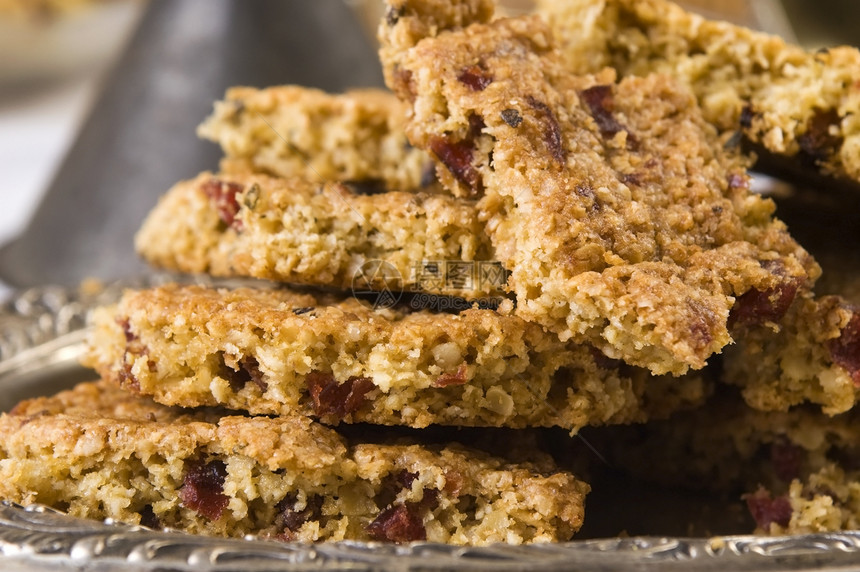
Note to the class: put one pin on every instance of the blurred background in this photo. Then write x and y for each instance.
(99, 100)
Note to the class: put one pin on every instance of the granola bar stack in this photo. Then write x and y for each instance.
(546, 223)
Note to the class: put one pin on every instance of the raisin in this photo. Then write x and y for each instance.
(401, 523)
(601, 105)
(338, 399)
(290, 519)
(512, 117)
(457, 157)
(817, 143)
(223, 195)
(747, 116)
(787, 459)
(403, 83)
(766, 510)
(305, 310)
(405, 478)
(755, 307)
(475, 77)
(552, 131)
(249, 371)
(203, 488)
(458, 378)
(148, 518)
(845, 350)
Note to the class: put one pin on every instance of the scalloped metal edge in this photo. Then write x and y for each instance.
(39, 322)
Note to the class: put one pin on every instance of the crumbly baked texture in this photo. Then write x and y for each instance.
(97, 452)
(277, 352)
(816, 355)
(793, 102)
(796, 470)
(623, 220)
(294, 230)
(291, 131)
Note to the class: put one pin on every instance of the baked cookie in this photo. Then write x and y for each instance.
(97, 452)
(293, 131)
(815, 357)
(794, 103)
(294, 230)
(622, 219)
(278, 352)
(796, 470)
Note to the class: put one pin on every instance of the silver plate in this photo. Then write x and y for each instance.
(42, 333)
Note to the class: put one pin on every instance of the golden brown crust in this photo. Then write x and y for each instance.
(791, 101)
(622, 219)
(295, 230)
(285, 478)
(276, 352)
(815, 358)
(293, 131)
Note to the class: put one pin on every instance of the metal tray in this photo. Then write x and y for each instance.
(42, 333)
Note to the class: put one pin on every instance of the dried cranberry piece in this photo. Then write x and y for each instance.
(203, 488)
(755, 307)
(454, 482)
(475, 77)
(134, 348)
(766, 510)
(223, 195)
(127, 379)
(126, 329)
(290, 519)
(817, 142)
(338, 399)
(457, 378)
(457, 157)
(601, 105)
(552, 131)
(787, 459)
(845, 350)
(401, 523)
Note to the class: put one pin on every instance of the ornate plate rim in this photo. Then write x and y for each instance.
(43, 328)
